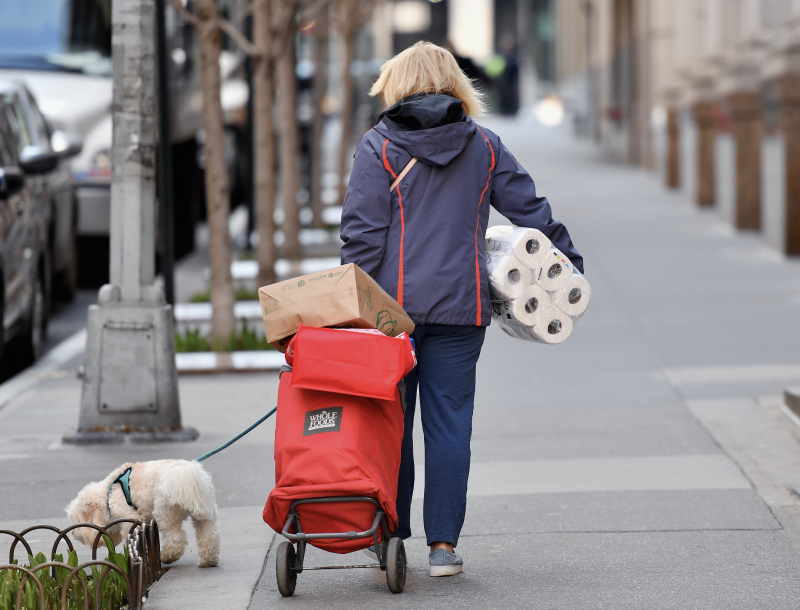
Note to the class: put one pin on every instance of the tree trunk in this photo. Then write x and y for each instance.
(347, 109)
(217, 189)
(320, 84)
(289, 145)
(264, 149)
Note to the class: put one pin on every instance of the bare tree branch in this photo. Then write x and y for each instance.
(239, 38)
(354, 14)
(224, 25)
(185, 13)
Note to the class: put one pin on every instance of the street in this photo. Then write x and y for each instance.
(65, 320)
(600, 472)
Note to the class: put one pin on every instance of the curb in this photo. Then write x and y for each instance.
(51, 361)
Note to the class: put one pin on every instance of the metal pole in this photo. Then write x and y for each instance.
(166, 209)
(130, 382)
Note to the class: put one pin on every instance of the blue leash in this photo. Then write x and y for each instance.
(236, 438)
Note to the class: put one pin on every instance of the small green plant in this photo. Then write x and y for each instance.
(241, 293)
(247, 340)
(113, 591)
(191, 341)
(244, 340)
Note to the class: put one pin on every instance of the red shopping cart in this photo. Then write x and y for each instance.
(337, 458)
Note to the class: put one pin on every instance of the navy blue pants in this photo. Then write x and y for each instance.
(445, 378)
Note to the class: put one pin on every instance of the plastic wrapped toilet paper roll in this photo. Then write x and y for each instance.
(555, 272)
(533, 299)
(497, 231)
(529, 246)
(507, 275)
(515, 329)
(552, 326)
(573, 298)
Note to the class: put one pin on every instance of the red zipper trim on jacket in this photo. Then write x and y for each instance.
(477, 226)
(402, 225)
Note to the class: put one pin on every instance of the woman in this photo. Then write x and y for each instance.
(423, 241)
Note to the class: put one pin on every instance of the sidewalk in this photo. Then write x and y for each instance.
(645, 463)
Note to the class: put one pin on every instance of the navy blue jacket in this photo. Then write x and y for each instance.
(424, 241)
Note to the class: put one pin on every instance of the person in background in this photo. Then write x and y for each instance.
(423, 242)
(473, 71)
(508, 81)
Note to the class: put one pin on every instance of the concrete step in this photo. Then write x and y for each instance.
(204, 363)
(197, 316)
(202, 312)
(284, 268)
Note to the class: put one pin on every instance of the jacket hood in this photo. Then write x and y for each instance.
(432, 127)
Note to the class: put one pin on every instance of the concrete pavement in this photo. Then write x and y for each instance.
(644, 463)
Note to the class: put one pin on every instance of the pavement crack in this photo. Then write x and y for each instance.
(263, 570)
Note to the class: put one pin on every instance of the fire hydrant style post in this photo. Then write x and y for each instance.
(130, 379)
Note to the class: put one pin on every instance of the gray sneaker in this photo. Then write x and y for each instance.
(444, 563)
(370, 552)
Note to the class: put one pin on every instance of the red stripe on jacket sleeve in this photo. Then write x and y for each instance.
(402, 226)
(477, 227)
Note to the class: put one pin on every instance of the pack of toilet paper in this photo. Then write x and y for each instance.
(537, 294)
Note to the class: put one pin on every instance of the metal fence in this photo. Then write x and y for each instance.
(143, 569)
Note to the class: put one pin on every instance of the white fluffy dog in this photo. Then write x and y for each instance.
(165, 490)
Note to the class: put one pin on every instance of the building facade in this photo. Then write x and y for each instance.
(705, 92)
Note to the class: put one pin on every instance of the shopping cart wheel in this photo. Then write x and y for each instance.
(396, 565)
(284, 569)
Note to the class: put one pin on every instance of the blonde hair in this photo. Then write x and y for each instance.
(427, 68)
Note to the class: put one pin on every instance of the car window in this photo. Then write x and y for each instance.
(7, 148)
(15, 113)
(39, 129)
(6, 159)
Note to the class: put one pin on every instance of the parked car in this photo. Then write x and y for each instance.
(29, 177)
(58, 186)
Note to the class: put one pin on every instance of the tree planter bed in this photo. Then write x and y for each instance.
(122, 581)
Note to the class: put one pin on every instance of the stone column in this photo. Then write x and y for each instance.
(747, 133)
(790, 100)
(130, 387)
(673, 149)
(706, 121)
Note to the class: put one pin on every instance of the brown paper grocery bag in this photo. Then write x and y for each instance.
(343, 297)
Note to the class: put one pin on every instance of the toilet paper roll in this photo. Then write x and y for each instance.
(532, 300)
(574, 297)
(497, 231)
(552, 326)
(529, 246)
(555, 272)
(507, 275)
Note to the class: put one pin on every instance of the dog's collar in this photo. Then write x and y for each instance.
(124, 480)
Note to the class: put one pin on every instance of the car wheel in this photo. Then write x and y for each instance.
(37, 323)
